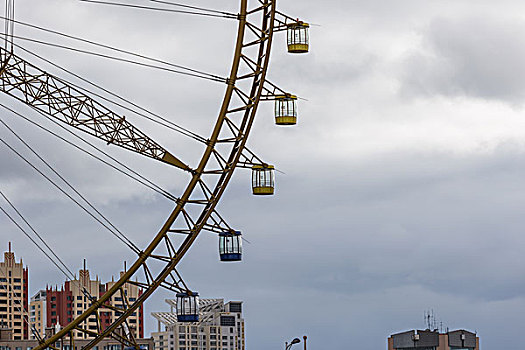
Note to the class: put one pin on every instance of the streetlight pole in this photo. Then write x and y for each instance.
(294, 341)
(304, 339)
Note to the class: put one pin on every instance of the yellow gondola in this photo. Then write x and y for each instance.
(285, 109)
(263, 179)
(298, 37)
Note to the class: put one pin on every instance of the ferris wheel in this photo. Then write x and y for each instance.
(225, 150)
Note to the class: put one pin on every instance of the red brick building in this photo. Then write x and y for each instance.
(68, 302)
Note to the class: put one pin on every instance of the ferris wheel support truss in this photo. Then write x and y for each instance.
(195, 209)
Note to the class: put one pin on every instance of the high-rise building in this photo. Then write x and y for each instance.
(37, 314)
(13, 296)
(72, 299)
(220, 327)
(434, 340)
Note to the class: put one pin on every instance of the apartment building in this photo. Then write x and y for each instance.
(73, 298)
(434, 340)
(220, 327)
(13, 296)
(105, 344)
(37, 314)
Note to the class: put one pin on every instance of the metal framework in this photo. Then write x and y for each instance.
(195, 210)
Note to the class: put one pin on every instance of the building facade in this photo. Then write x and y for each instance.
(105, 344)
(434, 340)
(37, 314)
(14, 296)
(72, 299)
(220, 327)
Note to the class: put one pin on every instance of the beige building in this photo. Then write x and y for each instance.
(220, 327)
(105, 344)
(13, 296)
(37, 314)
(434, 340)
(72, 299)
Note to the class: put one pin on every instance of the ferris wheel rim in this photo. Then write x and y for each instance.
(264, 51)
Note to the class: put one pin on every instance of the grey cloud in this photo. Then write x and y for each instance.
(351, 247)
(478, 57)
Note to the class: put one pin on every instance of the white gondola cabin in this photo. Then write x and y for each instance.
(263, 179)
(298, 37)
(285, 109)
(188, 307)
(230, 246)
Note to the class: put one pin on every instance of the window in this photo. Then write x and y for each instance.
(227, 320)
(235, 307)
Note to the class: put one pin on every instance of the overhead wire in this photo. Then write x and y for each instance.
(109, 47)
(195, 75)
(64, 269)
(67, 183)
(122, 239)
(165, 2)
(140, 178)
(39, 237)
(164, 121)
(227, 15)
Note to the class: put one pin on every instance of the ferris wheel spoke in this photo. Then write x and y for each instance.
(58, 99)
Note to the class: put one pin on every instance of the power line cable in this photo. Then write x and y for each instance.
(131, 246)
(145, 182)
(164, 121)
(68, 183)
(229, 16)
(195, 75)
(109, 47)
(193, 7)
(37, 234)
(32, 240)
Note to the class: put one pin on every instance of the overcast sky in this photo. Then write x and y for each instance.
(404, 187)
